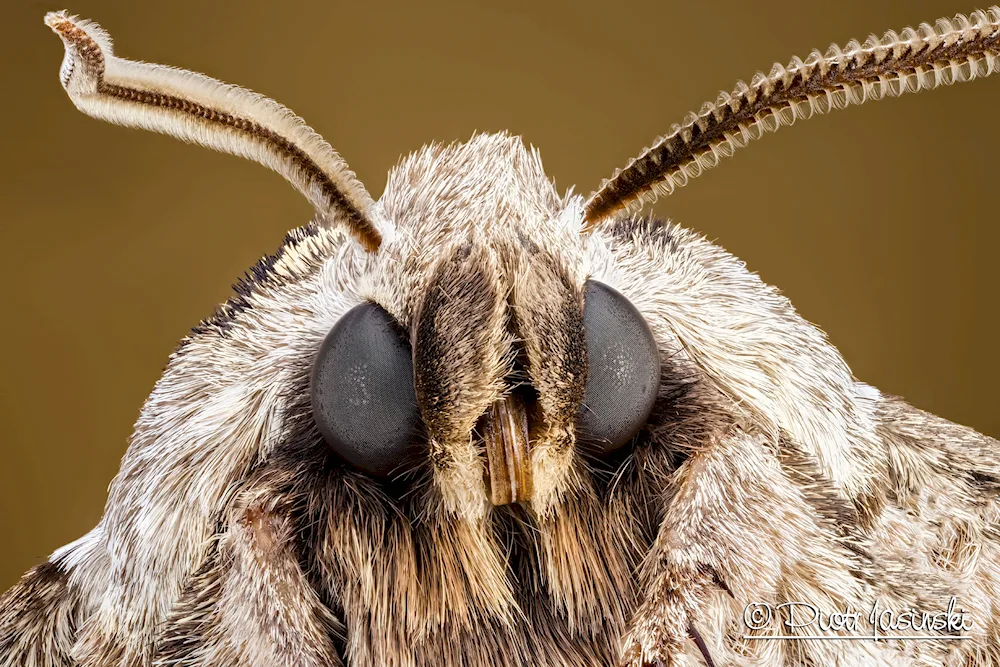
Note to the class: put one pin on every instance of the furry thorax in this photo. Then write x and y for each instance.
(765, 473)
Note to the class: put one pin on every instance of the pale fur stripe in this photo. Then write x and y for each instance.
(196, 108)
(960, 49)
(250, 603)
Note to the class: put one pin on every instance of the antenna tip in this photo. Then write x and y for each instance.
(58, 21)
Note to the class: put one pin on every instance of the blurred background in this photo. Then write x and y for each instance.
(878, 222)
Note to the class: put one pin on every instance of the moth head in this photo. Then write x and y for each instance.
(482, 350)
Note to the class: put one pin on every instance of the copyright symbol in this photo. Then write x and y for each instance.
(757, 615)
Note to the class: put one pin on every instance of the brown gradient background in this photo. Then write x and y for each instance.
(878, 222)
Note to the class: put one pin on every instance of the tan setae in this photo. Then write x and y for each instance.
(249, 526)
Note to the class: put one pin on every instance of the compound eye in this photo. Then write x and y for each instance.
(623, 370)
(363, 397)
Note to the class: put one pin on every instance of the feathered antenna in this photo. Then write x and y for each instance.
(202, 110)
(930, 56)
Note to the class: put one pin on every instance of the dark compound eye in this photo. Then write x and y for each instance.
(623, 370)
(363, 397)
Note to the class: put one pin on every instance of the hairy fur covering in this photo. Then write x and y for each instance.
(767, 473)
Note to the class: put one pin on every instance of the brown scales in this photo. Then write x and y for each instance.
(766, 472)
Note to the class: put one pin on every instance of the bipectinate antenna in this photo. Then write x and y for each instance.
(959, 49)
(202, 110)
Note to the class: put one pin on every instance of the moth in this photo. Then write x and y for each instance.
(477, 422)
